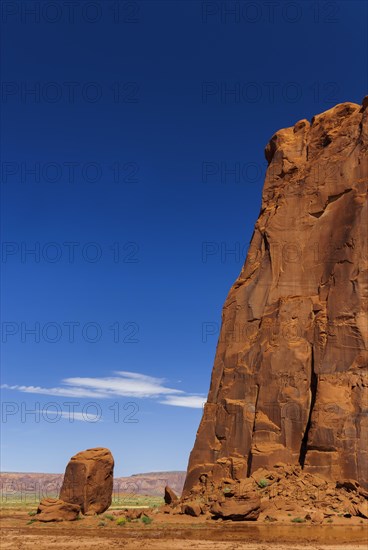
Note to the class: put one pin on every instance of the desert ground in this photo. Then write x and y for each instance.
(166, 532)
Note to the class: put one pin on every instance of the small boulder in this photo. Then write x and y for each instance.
(166, 509)
(192, 509)
(316, 517)
(348, 484)
(363, 509)
(169, 496)
(133, 513)
(53, 509)
(237, 509)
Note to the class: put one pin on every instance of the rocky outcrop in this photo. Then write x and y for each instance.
(88, 480)
(169, 495)
(273, 494)
(52, 509)
(289, 380)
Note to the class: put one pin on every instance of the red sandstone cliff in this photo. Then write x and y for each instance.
(289, 379)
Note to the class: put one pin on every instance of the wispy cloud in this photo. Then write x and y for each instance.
(191, 401)
(71, 415)
(58, 392)
(122, 384)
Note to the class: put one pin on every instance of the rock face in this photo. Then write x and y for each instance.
(169, 495)
(51, 509)
(88, 480)
(289, 379)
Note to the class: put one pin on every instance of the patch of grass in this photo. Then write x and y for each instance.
(121, 500)
(289, 514)
(298, 520)
(22, 500)
(32, 513)
(101, 523)
(227, 490)
(330, 520)
(121, 521)
(146, 520)
(109, 516)
(262, 483)
(30, 522)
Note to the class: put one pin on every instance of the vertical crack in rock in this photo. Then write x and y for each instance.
(250, 456)
(314, 205)
(313, 390)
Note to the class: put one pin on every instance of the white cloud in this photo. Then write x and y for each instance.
(126, 384)
(58, 392)
(70, 415)
(191, 401)
(123, 384)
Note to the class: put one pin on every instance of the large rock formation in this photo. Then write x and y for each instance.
(289, 380)
(88, 480)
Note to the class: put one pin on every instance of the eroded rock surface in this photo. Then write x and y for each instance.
(52, 509)
(88, 480)
(169, 495)
(237, 509)
(289, 379)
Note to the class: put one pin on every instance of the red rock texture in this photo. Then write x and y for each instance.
(52, 509)
(88, 480)
(192, 509)
(237, 509)
(169, 495)
(289, 380)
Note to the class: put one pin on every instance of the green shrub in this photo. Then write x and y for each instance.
(298, 520)
(146, 520)
(30, 522)
(330, 520)
(121, 521)
(262, 483)
(109, 516)
(32, 513)
(101, 524)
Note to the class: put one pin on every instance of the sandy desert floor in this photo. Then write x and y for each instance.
(18, 534)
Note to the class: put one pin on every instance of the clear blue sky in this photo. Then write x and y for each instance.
(117, 172)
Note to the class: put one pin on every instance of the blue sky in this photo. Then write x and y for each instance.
(132, 171)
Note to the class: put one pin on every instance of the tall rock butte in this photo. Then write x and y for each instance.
(289, 382)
